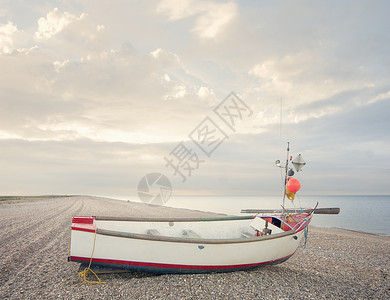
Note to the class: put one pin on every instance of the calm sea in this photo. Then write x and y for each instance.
(361, 213)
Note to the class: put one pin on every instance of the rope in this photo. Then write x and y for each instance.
(306, 233)
(83, 274)
(288, 216)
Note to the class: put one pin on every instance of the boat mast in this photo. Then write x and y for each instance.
(286, 170)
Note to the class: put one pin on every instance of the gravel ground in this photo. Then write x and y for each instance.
(34, 238)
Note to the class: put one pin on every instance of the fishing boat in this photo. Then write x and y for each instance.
(191, 245)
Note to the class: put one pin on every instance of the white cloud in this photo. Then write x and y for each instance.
(6, 37)
(102, 80)
(215, 19)
(176, 10)
(284, 68)
(113, 95)
(165, 57)
(166, 78)
(204, 92)
(55, 22)
(380, 97)
(212, 17)
(179, 91)
(60, 64)
(304, 78)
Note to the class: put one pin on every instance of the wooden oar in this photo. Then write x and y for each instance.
(318, 211)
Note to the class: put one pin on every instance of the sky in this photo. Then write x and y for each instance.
(96, 95)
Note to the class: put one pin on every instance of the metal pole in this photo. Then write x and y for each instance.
(285, 176)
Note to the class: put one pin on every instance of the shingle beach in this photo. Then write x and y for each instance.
(34, 239)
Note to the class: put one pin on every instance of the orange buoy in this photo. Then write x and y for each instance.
(293, 185)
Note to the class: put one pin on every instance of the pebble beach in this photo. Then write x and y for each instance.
(34, 241)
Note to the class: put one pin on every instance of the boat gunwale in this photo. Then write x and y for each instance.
(203, 219)
(140, 236)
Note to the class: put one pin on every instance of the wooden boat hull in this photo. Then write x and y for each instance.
(115, 248)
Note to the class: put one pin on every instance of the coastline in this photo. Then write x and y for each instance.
(351, 231)
(34, 237)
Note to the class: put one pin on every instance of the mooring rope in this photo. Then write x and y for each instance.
(83, 274)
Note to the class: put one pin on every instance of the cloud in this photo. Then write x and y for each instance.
(176, 10)
(166, 58)
(6, 37)
(54, 23)
(204, 92)
(211, 17)
(380, 97)
(102, 94)
(95, 95)
(70, 167)
(215, 20)
(295, 75)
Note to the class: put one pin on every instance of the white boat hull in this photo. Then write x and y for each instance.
(164, 254)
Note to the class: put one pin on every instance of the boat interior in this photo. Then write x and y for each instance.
(223, 229)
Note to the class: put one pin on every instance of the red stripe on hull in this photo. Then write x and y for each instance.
(80, 227)
(173, 266)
